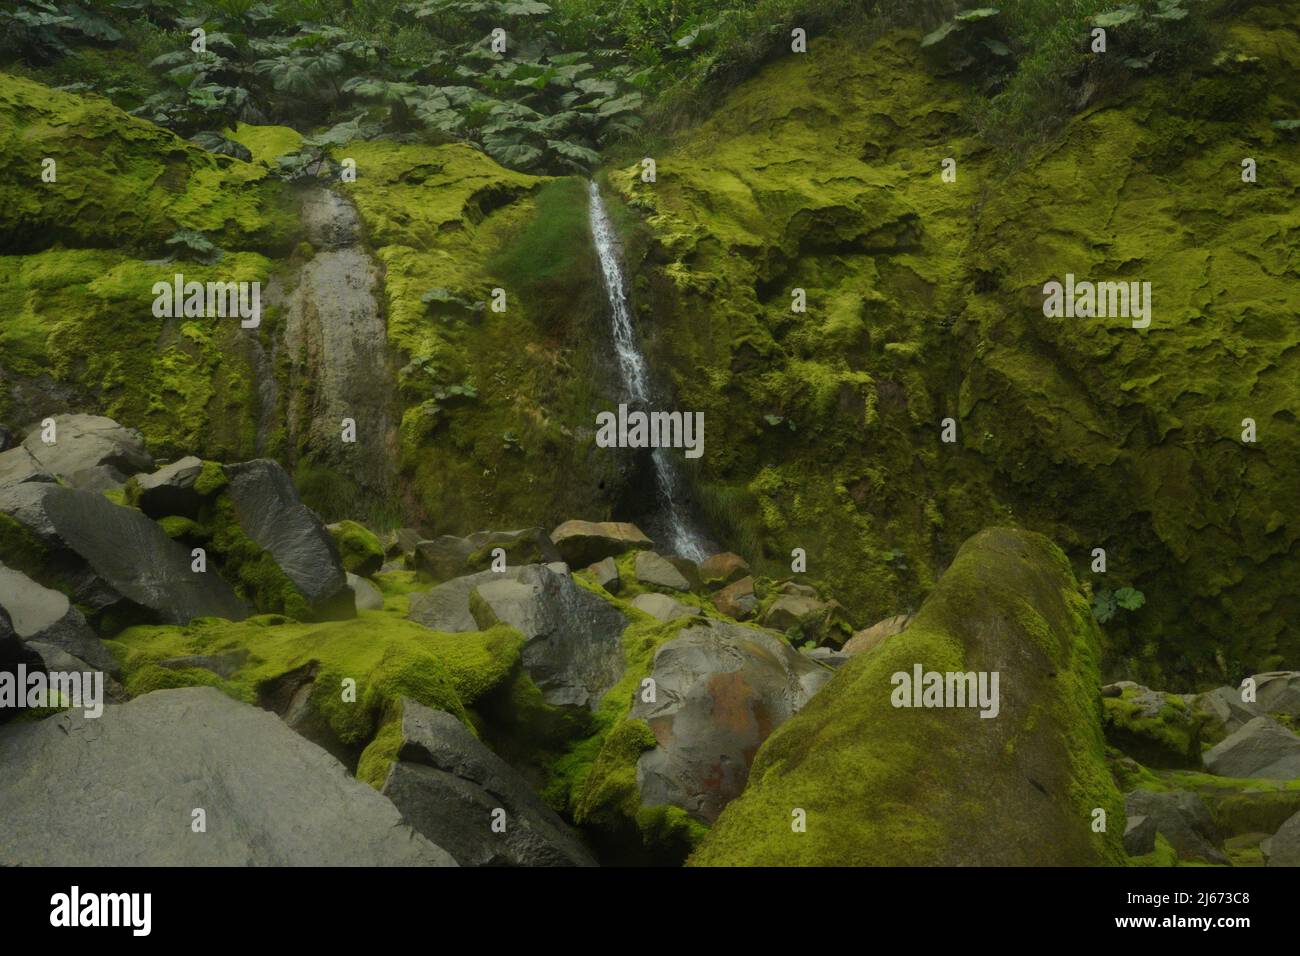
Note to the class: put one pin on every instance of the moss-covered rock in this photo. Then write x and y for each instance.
(902, 786)
(359, 547)
(1155, 728)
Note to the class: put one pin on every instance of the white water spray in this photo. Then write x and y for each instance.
(632, 368)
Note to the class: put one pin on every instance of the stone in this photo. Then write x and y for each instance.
(446, 606)
(605, 573)
(359, 548)
(720, 689)
(654, 570)
(224, 664)
(737, 600)
(89, 452)
(791, 610)
(872, 637)
(1225, 709)
(17, 466)
(1284, 846)
(447, 786)
(1262, 748)
(447, 557)
(1278, 692)
(573, 648)
(1181, 818)
(662, 607)
(402, 542)
(826, 655)
(722, 569)
(1140, 835)
(271, 797)
(170, 490)
(795, 589)
(586, 542)
(366, 595)
(268, 510)
(1157, 729)
(44, 615)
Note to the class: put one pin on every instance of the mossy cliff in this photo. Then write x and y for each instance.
(886, 785)
(925, 302)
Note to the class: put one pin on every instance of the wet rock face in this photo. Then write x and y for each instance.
(271, 797)
(448, 786)
(269, 512)
(89, 451)
(720, 690)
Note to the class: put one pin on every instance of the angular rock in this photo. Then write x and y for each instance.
(90, 452)
(654, 570)
(688, 570)
(721, 688)
(1139, 835)
(875, 635)
(40, 614)
(737, 600)
(224, 664)
(170, 490)
(359, 548)
(605, 572)
(271, 797)
(17, 466)
(1278, 692)
(402, 542)
(1157, 729)
(586, 542)
(722, 569)
(1225, 709)
(1284, 846)
(366, 595)
(790, 610)
(1181, 818)
(447, 786)
(446, 606)
(269, 512)
(446, 557)
(662, 607)
(1262, 748)
(573, 647)
(110, 555)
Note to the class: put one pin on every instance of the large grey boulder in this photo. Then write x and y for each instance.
(268, 510)
(605, 573)
(1261, 748)
(1226, 708)
(89, 451)
(45, 616)
(1183, 819)
(1278, 692)
(122, 790)
(17, 466)
(574, 648)
(170, 490)
(654, 570)
(445, 607)
(661, 607)
(448, 786)
(720, 690)
(586, 542)
(446, 557)
(1284, 845)
(113, 556)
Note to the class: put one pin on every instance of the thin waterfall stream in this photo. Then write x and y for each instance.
(684, 540)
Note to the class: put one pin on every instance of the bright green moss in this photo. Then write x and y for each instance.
(179, 527)
(267, 143)
(1169, 737)
(358, 546)
(1163, 855)
(253, 572)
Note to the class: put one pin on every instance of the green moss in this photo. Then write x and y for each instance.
(178, 527)
(253, 572)
(267, 143)
(1163, 855)
(1159, 729)
(211, 478)
(359, 548)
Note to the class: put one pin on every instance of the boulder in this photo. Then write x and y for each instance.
(359, 548)
(790, 610)
(270, 797)
(170, 490)
(269, 512)
(826, 655)
(662, 607)
(796, 589)
(446, 606)
(722, 569)
(366, 596)
(446, 557)
(17, 466)
(223, 664)
(89, 451)
(113, 556)
(1278, 692)
(605, 573)
(573, 648)
(1225, 711)
(891, 785)
(1140, 835)
(720, 689)
(447, 785)
(402, 542)
(586, 542)
(1262, 748)
(1157, 729)
(737, 600)
(1284, 845)
(1181, 818)
(39, 614)
(875, 635)
(656, 571)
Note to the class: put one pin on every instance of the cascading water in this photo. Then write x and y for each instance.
(683, 539)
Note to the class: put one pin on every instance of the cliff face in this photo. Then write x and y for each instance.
(925, 302)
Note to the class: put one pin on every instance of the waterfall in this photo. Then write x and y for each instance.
(683, 539)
